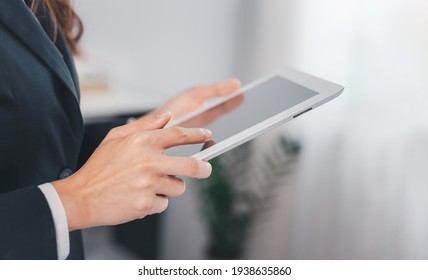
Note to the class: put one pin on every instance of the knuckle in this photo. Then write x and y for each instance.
(147, 166)
(148, 180)
(178, 132)
(139, 138)
(144, 206)
(193, 165)
(113, 133)
(144, 182)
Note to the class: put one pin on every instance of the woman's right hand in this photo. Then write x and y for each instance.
(128, 177)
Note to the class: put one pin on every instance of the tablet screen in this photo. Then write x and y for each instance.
(255, 105)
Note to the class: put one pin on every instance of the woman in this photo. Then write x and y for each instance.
(44, 200)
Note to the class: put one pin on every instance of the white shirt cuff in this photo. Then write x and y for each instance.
(60, 220)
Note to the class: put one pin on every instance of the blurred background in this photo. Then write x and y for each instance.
(346, 181)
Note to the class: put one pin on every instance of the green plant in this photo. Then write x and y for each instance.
(238, 191)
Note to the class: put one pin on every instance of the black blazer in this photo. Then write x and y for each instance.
(41, 131)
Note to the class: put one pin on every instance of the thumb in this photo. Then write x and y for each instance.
(149, 122)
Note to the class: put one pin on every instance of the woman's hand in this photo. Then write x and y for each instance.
(212, 114)
(196, 97)
(128, 176)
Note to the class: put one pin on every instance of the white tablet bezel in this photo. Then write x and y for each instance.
(326, 91)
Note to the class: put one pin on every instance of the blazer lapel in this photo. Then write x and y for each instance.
(69, 61)
(15, 15)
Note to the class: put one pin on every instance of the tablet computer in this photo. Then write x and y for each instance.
(254, 109)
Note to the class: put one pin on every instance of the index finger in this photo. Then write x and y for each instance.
(176, 136)
(148, 122)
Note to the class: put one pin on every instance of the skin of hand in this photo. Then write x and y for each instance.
(196, 97)
(214, 113)
(128, 177)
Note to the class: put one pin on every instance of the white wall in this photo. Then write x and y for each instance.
(162, 46)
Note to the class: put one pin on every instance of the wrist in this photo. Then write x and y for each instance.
(74, 203)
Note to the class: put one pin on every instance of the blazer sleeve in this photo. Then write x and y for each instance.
(27, 229)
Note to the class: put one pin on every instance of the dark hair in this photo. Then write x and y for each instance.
(64, 19)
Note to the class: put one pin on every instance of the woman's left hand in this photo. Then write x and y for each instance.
(195, 97)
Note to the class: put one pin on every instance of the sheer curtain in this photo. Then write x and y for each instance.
(362, 184)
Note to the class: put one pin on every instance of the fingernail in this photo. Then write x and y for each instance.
(205, 169)
(206, 132)
(237, 82)
(163, 115)
(224, 87)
